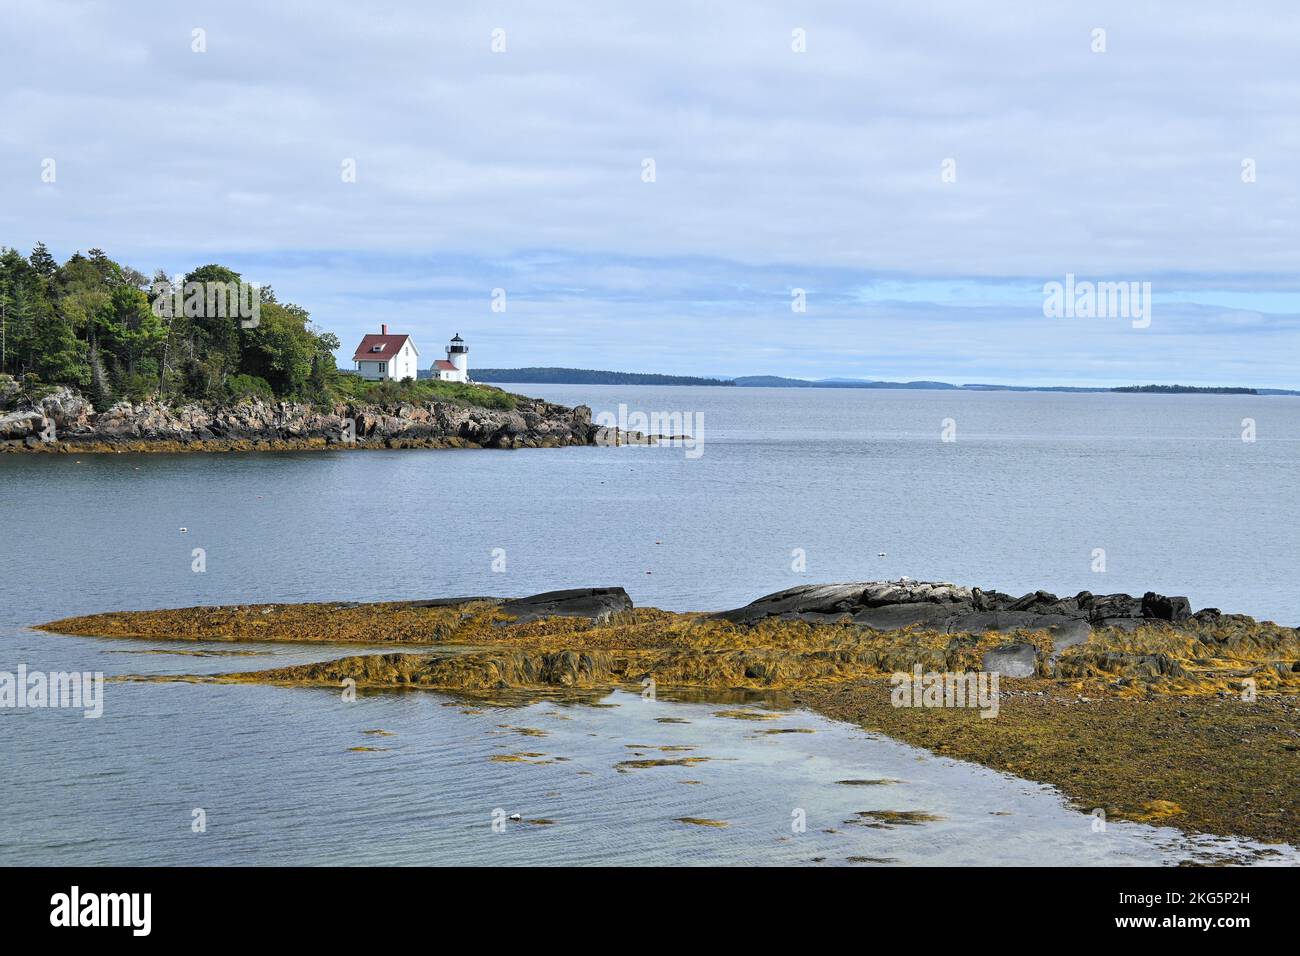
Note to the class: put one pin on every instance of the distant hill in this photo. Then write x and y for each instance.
(1033, 388)
(585, 376)
(776, 381)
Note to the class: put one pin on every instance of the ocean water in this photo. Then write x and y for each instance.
(1031, 488)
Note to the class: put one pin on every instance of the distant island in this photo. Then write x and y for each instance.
(777, 381)
(585, 376)
(1185, 390)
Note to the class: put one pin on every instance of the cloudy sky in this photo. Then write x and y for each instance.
(774, 170)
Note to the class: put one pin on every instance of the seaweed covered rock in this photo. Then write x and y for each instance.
(1118, 664)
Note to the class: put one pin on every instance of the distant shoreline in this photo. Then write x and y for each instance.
(582, 376)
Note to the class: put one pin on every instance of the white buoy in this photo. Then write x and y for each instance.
(184, 530)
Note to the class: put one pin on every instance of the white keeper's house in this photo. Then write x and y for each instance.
(385, 356)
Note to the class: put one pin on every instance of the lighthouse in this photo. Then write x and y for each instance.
(455, 367)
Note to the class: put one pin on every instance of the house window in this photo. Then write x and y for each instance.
(382, 368)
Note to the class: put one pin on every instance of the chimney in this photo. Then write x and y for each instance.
(383, 328)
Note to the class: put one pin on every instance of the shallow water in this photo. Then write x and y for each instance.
(274, 771)
(1032, 485)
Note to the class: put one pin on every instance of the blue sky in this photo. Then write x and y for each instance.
(774, 170)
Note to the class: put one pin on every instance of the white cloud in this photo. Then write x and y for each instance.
(772, 166)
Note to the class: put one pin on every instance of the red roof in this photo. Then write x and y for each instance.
(444, 364)
(392, 344)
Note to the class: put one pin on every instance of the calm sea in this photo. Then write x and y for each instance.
(1035, 491)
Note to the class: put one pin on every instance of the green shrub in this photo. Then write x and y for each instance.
(140, 387)
(247, 387)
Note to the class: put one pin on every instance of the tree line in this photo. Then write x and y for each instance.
(108, 330)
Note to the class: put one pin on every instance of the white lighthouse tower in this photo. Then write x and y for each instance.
(455, 367)
(458, 355)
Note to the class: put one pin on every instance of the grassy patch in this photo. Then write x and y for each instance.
(356, 389)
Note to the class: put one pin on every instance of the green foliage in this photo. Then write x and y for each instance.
(106, 328)
(141, 385)
(280, 349)
(244, 387)
(32, 388)
(42, 262)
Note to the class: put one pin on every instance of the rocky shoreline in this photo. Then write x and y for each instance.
(64, 421)
(1135, 705)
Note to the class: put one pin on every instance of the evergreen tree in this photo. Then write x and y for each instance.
(42, 262)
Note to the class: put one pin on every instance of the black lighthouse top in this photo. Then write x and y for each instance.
(457, 345)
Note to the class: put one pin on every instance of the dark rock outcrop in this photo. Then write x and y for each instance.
(890, 605)
(1069, 621)
(595, 604)
(1163, 608)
